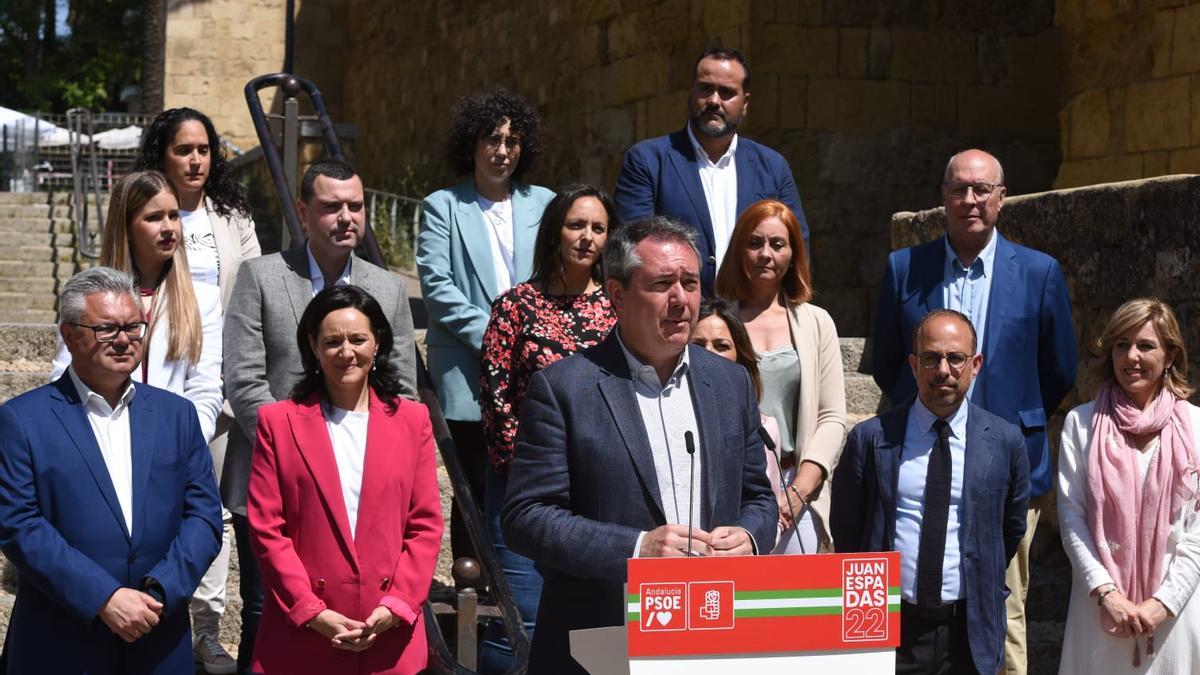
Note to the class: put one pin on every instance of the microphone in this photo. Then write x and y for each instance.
(689, 441)
(766, 439)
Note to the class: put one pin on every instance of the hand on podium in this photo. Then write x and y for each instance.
(727, 540)
(671, 541)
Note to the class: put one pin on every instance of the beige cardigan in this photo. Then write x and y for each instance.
(821, 409)
(236, 241)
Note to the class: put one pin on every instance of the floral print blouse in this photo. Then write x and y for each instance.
(528, 331)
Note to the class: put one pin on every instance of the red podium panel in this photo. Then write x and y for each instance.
(763, 604)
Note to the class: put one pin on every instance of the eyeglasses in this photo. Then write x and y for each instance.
(107, 332)
(494, 142)
(956, 360)
(981, 190)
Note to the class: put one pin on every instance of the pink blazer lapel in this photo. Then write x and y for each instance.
(312, 440)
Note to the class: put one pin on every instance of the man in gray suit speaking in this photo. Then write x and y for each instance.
(261, 358)
(622, 446)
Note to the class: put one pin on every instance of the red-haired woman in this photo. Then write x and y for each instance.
(799, 361)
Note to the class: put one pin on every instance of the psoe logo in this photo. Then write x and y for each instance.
(865, 600)
(711, 605)
(664, 606)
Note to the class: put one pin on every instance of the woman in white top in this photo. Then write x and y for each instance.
(1127, 488)
(217, 230)
(142, 237)
(218, 235)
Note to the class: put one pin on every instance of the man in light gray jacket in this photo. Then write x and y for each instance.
(262, 361)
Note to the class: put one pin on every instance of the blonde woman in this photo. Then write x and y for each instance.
(1127, 499)
(143, 237)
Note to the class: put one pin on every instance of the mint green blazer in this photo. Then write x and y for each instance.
(458, 281)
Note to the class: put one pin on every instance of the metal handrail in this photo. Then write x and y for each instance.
(394, 206)
(510, 616)
(82, 176)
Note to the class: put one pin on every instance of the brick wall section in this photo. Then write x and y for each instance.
(866, 99)
(1131, 90)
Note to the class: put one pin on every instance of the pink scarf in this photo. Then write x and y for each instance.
(1130, 519)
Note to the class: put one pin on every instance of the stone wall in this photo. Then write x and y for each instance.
(1131, 89)
(214, 47)
(866, 99)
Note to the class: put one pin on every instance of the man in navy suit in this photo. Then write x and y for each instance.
(1017, 299)
(611, 438)
(108, 503)
(945, 483)
(705, 174)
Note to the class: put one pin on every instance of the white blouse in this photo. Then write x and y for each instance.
(348, 434)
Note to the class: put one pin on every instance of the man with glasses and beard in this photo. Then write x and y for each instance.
(945, 483)
(705, 175)
(1017, 299)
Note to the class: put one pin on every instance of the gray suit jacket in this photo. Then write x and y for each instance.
(262, 362)
(582, 484)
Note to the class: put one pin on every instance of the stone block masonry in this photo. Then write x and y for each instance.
(1132, 90)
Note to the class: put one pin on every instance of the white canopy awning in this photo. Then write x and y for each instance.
(17, 122)
(129, 138)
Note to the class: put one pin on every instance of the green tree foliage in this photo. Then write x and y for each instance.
(99, 54)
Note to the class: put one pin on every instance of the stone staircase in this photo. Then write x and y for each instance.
(37, 253)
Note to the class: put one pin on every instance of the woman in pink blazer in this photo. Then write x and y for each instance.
(344, 510)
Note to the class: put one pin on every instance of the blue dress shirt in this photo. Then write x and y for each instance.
(968, 289)
(919, 438)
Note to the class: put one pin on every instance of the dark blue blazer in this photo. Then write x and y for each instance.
(582, 485)
(660, 176)
(61, 525)
(1029, 357)
(995, 498)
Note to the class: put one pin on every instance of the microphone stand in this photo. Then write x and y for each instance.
(690, 443)
(766, 438)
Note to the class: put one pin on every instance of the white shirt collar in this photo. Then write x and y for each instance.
(648, 374)
(318, 278)
(91, 398)
(702, 154)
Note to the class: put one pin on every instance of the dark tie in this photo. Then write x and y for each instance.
(933, 523)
